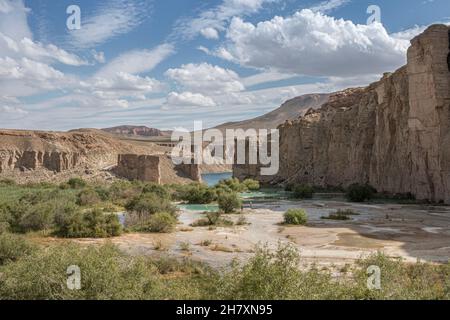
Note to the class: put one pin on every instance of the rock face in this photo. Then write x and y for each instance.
(139, 167)
(139, 131)
(393, 135)
(148, 168)
(290, 110)
(33, 160)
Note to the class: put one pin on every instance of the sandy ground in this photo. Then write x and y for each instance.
(412, 232)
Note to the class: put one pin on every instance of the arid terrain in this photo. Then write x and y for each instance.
(409, 232)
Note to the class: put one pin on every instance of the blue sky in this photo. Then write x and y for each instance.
(169, 63)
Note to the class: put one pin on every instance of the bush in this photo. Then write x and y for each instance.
(103, 193)
(77, 183)
(106, 274)
(73, 223)
(229, 202)
(161, 222)
(13, 247)
(148, 204)
(160, 191)
(275, 276)
(251, 185)
(295, 217)
(303, 192)
(197, 193)
(212, 219)
(232, 184)
(122, 191)
(88, 197)
(7, 183)
(37, 217)
(360, 193)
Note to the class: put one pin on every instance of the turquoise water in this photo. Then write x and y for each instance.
(200, 207)
(211, 179)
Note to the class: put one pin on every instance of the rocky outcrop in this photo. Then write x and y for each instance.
(138, 131)
(34, 160)
(153, 168)
(139, 167)
(394, 134)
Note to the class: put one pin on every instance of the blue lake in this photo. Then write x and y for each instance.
(211, 179)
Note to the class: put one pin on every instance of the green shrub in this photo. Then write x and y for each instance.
(229, 202)
(275, 276)
(7, 183)
(295, 217)
(360, 193)
(103, 193)
(212, 219)
(106, 274)
(159, 190)
(303, 192)
(251, 185)
(232, 184)
(148, 204)
(77, 183)
(13, 247)
(122, 191)
(73, 223)
(341, 215)
(196, 193)
(88, 197)
(37, 217)
(161, 222)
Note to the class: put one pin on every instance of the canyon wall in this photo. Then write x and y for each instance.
(139, 167)
(393, 134)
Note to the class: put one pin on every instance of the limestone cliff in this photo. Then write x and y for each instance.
(394, 134)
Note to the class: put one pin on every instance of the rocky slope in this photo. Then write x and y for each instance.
(394, 134)
(36, 156)
(290, 110)
(136, 131)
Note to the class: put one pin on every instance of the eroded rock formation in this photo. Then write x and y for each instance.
(394, 134)
(139, 167)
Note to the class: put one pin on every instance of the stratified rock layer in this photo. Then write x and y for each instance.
(394, 134)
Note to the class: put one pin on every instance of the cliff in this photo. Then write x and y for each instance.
(393, 134)
(136, 131)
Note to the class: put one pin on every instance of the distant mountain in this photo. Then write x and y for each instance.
(137, 131)
(290, 110)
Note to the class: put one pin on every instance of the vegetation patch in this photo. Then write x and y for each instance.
(360, 193)
(341, 215)
(295, 217)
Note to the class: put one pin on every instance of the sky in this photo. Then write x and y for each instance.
(92, 64)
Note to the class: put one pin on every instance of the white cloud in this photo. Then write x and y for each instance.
(113, 18)
(13, 110)
(137, 61)
(206, 78)
(13, 19)
(122, 85)
(210, 33)
(188, 99)
(217, 17)
(99, 56)
(329, 5)
(309, 43)
(37, 51)
(27, 70)
(265, 77)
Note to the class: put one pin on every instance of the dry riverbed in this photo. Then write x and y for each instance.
(411, 232)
